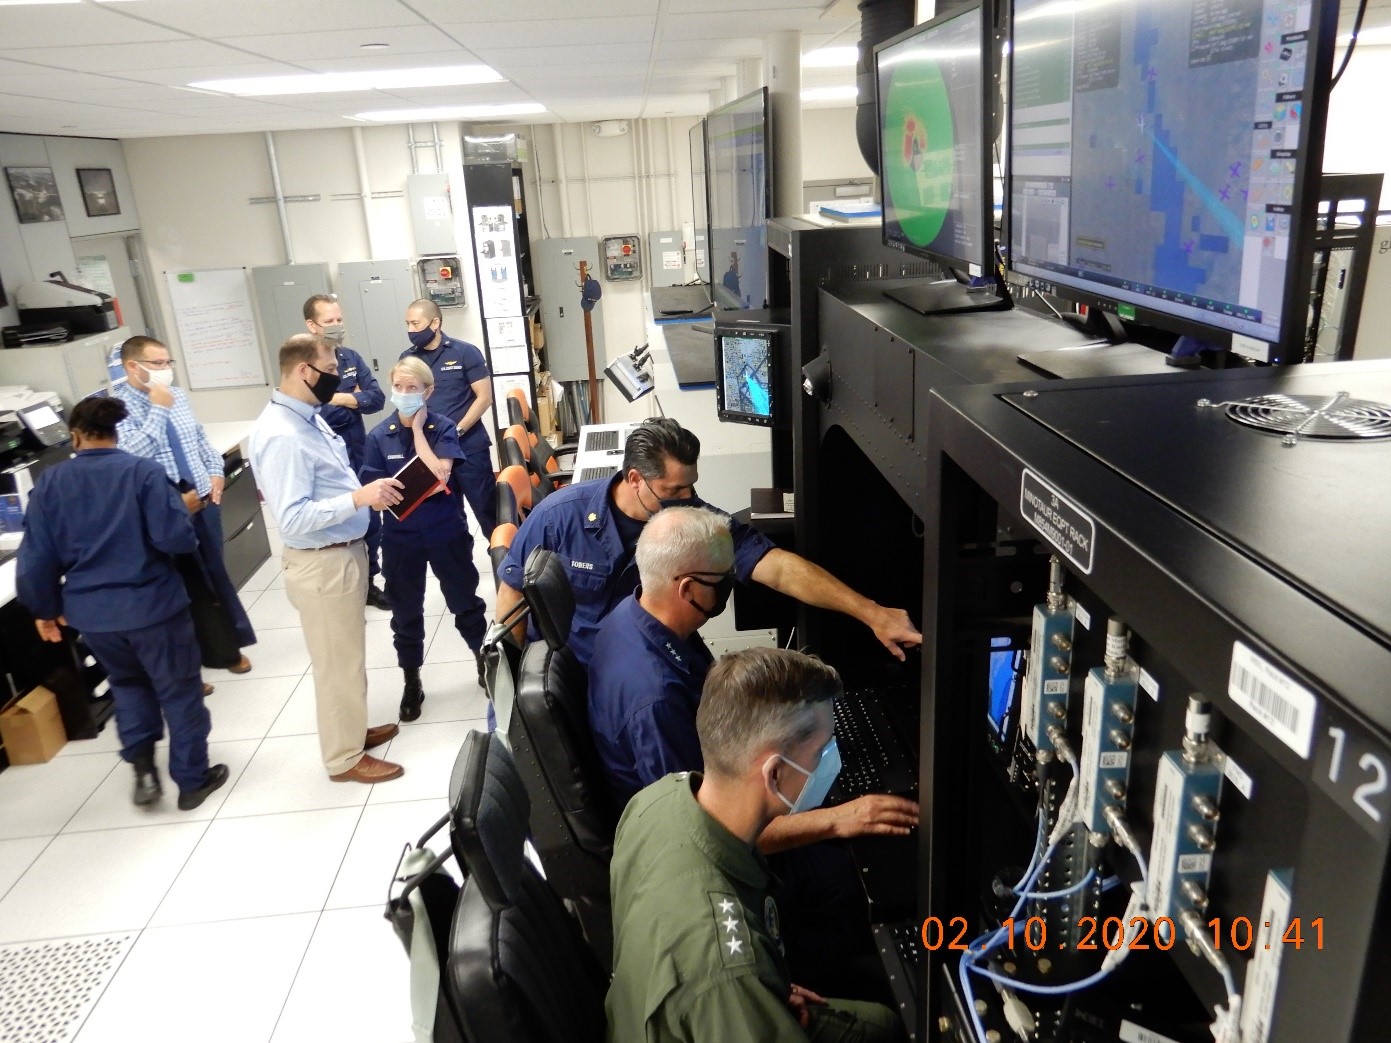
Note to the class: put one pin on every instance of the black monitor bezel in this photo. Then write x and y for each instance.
(984, 265)
(700, 206)
(734, 416)
(1289, 347)
(718, 294)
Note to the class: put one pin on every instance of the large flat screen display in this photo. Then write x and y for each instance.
(1161, 153)
(736, 142)
(700, 204)
(935, 143)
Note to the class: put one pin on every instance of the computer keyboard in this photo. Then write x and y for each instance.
(901, 952)
(586, 474)
(601, 442)
(876, 757)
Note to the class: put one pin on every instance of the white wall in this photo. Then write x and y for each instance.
(1357, 141)
(194, 193)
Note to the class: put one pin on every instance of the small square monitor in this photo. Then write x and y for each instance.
(744, 381)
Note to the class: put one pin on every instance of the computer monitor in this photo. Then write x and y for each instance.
(700, 203)
(736, 151)
(1163, 159)
(936, 92)
(746, 372)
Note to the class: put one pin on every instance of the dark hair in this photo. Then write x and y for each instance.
(653, 442)
(135, 348)
(428, 308)
(97, 417)
(311, 306)
(302, 347)
(759, 698)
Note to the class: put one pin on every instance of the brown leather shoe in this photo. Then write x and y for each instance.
(380, 734)
(241, 666)
(207, 688)
(370, 770)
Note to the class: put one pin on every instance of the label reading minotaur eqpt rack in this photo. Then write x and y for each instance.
(1063, 524)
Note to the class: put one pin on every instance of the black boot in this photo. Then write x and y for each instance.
(192, 798)
(147, 787)
(412, 695)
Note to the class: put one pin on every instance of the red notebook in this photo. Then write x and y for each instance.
(419, 484)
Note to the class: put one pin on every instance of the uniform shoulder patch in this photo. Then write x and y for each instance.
(731, 933)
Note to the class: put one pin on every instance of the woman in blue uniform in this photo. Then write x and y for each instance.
(100, 535)
(434, 534)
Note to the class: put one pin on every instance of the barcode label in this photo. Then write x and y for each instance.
(1058, 687)
(1149, 684)
(1194, 863)
(1114, 760)
(1286, 708)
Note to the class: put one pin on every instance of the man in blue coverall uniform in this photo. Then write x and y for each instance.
(594, 528)
(359, 395)
(100, 534)
(463, 392)
(645, 682)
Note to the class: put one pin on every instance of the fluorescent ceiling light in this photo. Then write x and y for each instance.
(336, 82)
(452, 112)
(830, 58)
(844, 92)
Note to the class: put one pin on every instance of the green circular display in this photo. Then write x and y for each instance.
(919, 140)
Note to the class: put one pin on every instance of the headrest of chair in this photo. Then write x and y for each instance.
(503, 535)
(517, 477)
(489, 812)
(548, 593)
(518, 408)
(517, 433)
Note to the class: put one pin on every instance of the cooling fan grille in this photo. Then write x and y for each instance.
(1336, 417)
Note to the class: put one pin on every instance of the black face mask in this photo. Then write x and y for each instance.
(692, 501)
(325, 387)
(723, 588)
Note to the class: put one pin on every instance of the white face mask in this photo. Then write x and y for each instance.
(162, 377)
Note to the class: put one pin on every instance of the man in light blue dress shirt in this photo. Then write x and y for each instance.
(160, 425)
(302, 469)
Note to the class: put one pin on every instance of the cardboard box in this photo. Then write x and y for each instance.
(31, 729)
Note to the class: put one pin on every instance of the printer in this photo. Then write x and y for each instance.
(57, 302)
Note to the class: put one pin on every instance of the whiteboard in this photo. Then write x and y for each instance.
(217, 328)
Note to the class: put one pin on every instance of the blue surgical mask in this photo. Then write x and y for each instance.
(819, 779)
(408, 403)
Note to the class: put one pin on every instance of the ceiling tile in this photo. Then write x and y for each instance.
(73, 25)
(481, 11)
(127, 56)
(552, 32)
(584, 62)
(336, 43)
(212, 18)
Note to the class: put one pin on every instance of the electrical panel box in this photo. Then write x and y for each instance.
(556, 266)
(281, 290)
(432, 213)
(667, 250)
(442, 281)
(622, 257)
(374, 296)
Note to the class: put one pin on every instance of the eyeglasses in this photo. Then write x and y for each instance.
(157, 363)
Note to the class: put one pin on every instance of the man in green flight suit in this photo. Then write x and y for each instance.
(697, 947)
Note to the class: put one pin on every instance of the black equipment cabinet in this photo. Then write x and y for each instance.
(1219, 546)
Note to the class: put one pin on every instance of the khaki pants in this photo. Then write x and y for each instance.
(329, 588)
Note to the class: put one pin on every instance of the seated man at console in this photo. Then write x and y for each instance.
(698, 952)
(594, 527)
(645, 682)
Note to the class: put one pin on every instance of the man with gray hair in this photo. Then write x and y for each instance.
(697, 951)
(594, 526)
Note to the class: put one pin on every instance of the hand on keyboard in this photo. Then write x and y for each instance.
(875, 814)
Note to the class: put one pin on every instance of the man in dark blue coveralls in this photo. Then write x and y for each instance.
(359, 395)
(100, 535)
(594, 527)
(463, 393)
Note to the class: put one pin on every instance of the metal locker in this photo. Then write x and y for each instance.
(555, 264)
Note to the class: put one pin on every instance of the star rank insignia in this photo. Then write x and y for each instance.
(731, 932)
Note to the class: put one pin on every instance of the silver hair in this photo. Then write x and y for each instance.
(680, 540)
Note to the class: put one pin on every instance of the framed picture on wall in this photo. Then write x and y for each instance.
(35, 194)
(98, 191)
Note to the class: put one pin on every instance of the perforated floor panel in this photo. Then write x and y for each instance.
(48, 988)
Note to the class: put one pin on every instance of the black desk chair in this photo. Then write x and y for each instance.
(573, 818)
(518, 969)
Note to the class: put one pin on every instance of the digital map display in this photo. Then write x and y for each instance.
(746, 378)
